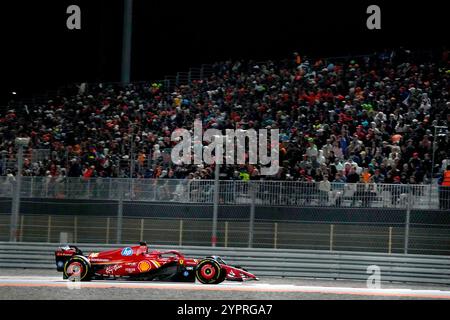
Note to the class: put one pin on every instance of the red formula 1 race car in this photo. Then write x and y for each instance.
(138, 263)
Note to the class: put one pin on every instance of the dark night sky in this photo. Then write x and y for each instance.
(39, 53)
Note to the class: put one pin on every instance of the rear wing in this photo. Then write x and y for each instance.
(64, 253)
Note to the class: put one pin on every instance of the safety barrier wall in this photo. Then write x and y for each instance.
(268, 262)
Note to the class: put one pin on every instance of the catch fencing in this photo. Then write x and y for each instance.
(383, 218)
(268, 193)
(371, 230)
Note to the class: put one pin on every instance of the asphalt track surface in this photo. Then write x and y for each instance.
(48, 285)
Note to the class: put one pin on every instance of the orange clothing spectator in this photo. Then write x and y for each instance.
(141, 158)
(366, 176)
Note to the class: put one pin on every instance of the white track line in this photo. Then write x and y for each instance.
(31, 281)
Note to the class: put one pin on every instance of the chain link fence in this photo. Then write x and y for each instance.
(363, 237)
(273, 193)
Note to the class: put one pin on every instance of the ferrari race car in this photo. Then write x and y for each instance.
(138, 263)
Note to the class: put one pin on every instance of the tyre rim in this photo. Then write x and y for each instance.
(75, 269)
(207, 271)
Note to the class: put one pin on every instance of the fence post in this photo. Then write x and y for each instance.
(15, 206)
(407, 220)
(155, 189)
(88, 194)
(180, 234)
(331, 236)
(216, 205)
(251, 225)
(226, 234)
(75, 229)
(275, 235)
(141, 237)
(108, 221)
(49, 228)
(22, 221)
(32, 187)
(390, 241)
(430, 193)
(45, 187)
(119, 215)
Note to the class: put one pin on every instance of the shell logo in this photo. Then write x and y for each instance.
(144, 266)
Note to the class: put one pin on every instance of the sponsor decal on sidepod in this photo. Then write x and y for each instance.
(126, 252)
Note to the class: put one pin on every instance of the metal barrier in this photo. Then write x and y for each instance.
(268, 193)
(268, 262)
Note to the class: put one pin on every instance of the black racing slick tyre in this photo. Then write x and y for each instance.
(77, 268)
(208, 271)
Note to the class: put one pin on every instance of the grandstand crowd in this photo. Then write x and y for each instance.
(362, 119)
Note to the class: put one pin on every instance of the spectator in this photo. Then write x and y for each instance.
(377, 177)
(444, 189)
(372, 112)
(324, 190)
(365, 176)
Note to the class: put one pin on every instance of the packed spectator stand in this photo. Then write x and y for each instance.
(367, 119)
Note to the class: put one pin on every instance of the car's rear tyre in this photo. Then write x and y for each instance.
(208, 271)
(77, 269)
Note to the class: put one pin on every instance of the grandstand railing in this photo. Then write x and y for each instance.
(265, 193)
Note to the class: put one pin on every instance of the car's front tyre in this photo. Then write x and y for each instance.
(208, 271)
